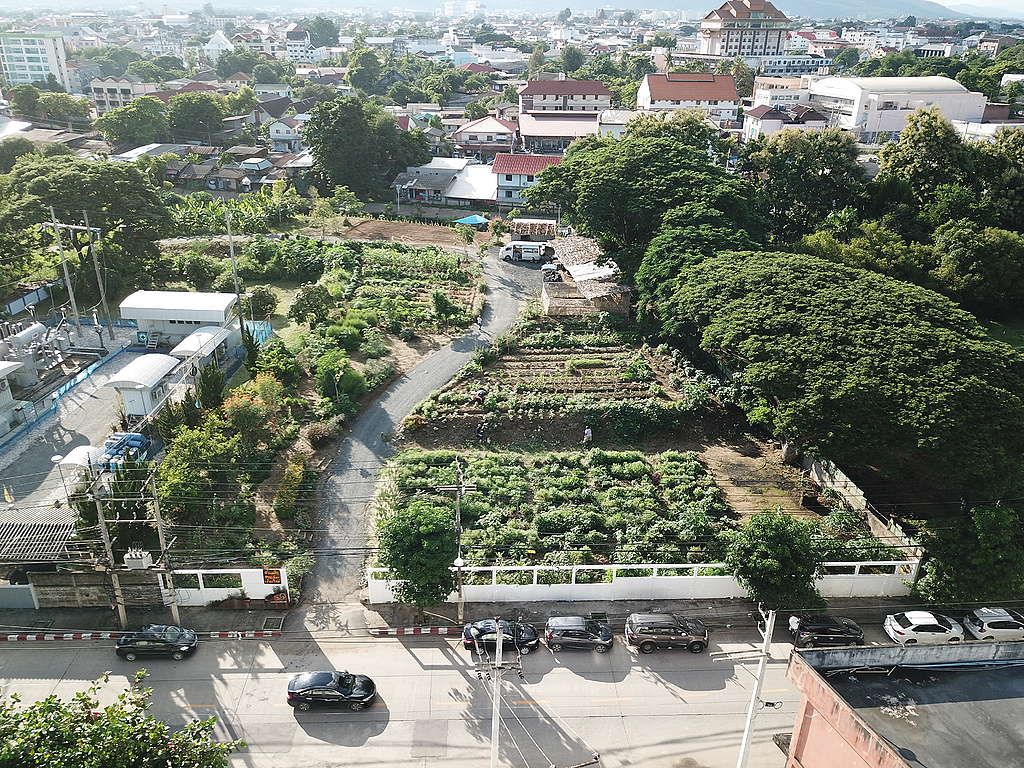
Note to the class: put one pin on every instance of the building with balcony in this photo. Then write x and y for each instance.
(517, 173)
(745, 28)
(28, 57)
(876, 108)
(540, 97)
(109, 93)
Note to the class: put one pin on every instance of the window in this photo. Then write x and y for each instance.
(186, 580)
(508, 177)
(529, 179)
(222, 580)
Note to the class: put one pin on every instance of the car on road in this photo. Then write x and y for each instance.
(820, 630)
(922, 628)
(157, 640)
(648, 632)
(994, 624)
(516, 634)
(577, 632)
(331, 689)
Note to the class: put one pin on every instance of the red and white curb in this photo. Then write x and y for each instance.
(397, 631)
(115, 635)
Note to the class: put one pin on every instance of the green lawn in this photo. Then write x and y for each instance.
(284, 327)
(1011, 332)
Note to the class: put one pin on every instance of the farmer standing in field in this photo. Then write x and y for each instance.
(588, 435)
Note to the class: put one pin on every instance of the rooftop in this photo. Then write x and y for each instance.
(557, 126)
(746, 9)
(144, 372)
(931, 84)
(564, 88)
(178, 300)
(691, 86)
(529, 165)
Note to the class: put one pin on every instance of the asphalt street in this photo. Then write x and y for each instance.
(670, 709)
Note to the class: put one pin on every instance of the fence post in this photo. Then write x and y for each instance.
(494, 576)
(536, 568)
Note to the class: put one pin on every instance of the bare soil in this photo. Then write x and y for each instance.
(397, 231)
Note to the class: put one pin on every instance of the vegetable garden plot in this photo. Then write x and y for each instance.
(588, 367)
(574, 508)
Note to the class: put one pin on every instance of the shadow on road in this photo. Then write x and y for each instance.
(347, 729)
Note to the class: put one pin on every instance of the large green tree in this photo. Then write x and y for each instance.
(83, 732)
(802, 176)
(775, 557)
(618, 191)
(11, 149)
(63, 107)
(983, 267)
(141, 121)
(364, 70)
(859, 367)
(689, 126)
(25, 100)
(929, 153)
(196, 115)
(357, 144)
(418, 544)
(572, 58)
(322, 31)
(238, 60)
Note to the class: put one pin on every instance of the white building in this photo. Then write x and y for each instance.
(744, 28)
(712, 94)
(516, 173)
(109, 93)
(172, 315)
(876, 108)
(27, 57)
(612, 122)
(564, 96)
(217, 44)
(767, 121)
(142, 383)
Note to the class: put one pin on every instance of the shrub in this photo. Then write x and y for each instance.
(345, 336)
(288, 491)
(374, 344)
(319, 433)
(578, 363)
(378, 372)
(262, 302)
(197, 269)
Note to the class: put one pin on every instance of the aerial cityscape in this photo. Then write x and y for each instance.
(497, 384)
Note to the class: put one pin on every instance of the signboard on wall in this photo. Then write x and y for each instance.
(271, 575)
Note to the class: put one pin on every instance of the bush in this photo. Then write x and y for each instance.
(578, 363)
(319, 433)
(378, 372)
(197, 269)
(374, 344)
(345, 336)
(288, 491)
(262, 302)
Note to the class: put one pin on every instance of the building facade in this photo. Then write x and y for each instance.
(564, 96)
(109, 93)
(485, 137)
(28, 57)
(712, 94)
(744, 28)
(876, 108)
(517, 173)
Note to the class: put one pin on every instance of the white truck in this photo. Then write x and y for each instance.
(523, 250)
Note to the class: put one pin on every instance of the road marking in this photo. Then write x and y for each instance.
(614, 698)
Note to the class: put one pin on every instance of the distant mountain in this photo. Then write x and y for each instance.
(990, 11)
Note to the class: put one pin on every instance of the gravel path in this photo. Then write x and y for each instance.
(332, 590)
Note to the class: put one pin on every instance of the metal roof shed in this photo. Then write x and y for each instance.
(202, 342)
(144, 372)
(212, 308)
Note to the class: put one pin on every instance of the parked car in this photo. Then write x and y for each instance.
(157, 640)
(994, 624)
(516, 634)
(577, 632)
(331, 689)
(922, 627)
(648, 632)
(822, 630)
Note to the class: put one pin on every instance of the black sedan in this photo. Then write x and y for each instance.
(331, 689)
(818, 631)
(521, 636)
(157, 640)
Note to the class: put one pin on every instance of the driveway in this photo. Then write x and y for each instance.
(332, 590)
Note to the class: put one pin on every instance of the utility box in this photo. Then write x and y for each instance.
(137, 560)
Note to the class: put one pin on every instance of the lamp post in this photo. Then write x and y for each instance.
(57, 460)
(459, 562)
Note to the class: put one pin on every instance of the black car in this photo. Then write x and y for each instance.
(331, 689)
(647, 632)
(577, 632)
(157, 640)
(821, 630)
(522, 636)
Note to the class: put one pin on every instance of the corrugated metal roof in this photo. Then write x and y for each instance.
(202, 340)
(144, 372)
(36, 534)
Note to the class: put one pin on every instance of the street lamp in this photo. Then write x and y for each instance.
(57, 460)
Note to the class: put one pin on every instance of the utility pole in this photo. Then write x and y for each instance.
(755, 695)
(234, 271)
(115, 580)
(100, 282)
(460, 490)
(498, 668)
(165, 554)
(67, 277)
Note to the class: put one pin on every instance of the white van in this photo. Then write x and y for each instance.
(522, 250)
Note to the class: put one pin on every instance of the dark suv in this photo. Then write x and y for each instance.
(577, 632)
(811, 631)
(649, 631)
(516, 634)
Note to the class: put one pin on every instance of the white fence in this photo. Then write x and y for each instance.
(686, 581)
(253, 583)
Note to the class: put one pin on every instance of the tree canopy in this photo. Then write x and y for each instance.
(141, 121)
(357, 144)
(858, 367)
(775, 557)
(196, 115)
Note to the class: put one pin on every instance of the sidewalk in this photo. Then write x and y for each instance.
(105, 620)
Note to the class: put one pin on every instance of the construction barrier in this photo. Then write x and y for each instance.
(115, 635)
(398, 631)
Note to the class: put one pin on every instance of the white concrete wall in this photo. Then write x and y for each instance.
(252, 585)
(895, 583)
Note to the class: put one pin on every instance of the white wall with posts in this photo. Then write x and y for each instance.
(200, 587)
(674, 581)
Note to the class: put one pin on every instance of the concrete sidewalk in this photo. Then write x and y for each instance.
(103, 619)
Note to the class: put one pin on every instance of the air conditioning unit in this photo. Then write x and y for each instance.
(137, 560)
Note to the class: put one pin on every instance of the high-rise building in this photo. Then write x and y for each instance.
(28, 57)
(744, 28)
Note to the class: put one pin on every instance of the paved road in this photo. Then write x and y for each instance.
(332, 596)
(666, 710)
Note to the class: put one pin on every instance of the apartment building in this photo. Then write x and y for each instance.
(877, 108)
(539, 97)
(485, 137)
(27, 57)
(109, 93)
(745, 28)
(712, 94)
